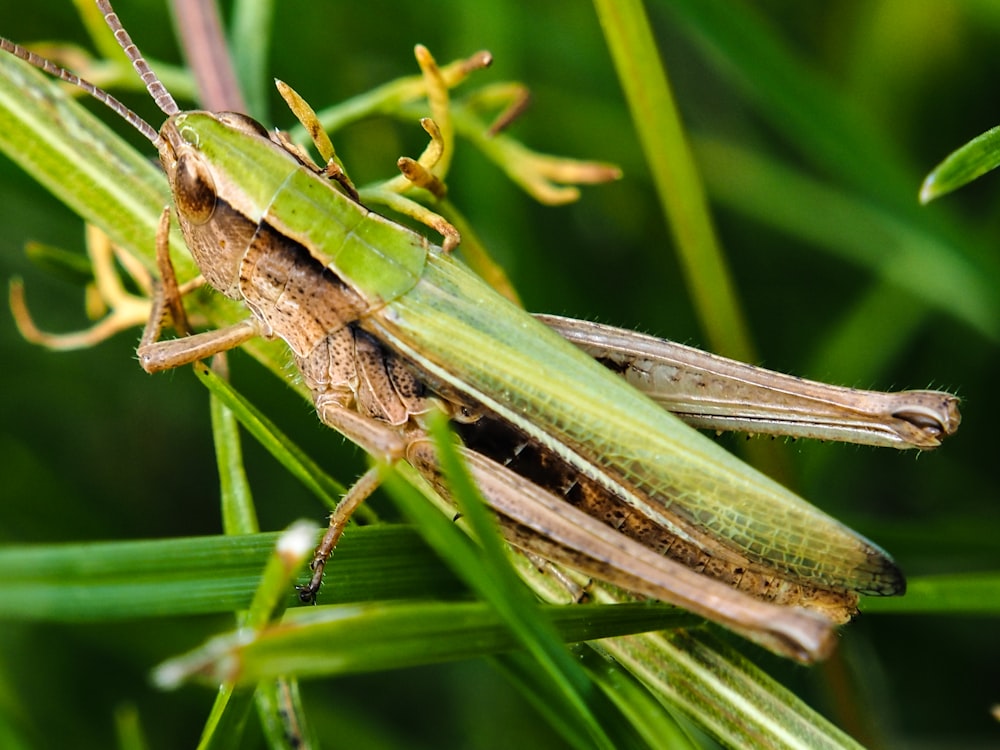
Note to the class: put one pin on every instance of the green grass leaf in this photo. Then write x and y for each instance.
(170, 577)
(963, 165)
(960, 594)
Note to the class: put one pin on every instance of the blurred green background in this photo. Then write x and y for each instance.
(813, 124)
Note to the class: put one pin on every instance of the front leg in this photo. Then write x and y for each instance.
(156, 355)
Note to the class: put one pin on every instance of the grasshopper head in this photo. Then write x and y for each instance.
(223, 170)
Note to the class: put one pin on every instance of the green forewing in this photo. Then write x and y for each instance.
(456, 327)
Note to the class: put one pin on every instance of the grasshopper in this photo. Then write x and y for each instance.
(581, 467)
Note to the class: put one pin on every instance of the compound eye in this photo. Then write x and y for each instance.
(194, 189)
(243, 123)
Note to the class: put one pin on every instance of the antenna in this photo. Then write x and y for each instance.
(155, 88)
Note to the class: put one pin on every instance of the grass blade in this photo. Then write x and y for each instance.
(123, 580)
(963, 165)
(672, 166)
(965, 593)
(489, 573)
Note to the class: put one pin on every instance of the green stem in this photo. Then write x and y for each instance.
(682, 196)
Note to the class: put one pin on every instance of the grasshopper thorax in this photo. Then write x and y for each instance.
(208, 163)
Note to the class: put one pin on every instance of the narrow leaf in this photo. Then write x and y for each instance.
(963, 165)
(488, 572)
(350, 639)
(965, 594)
(122, 580)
